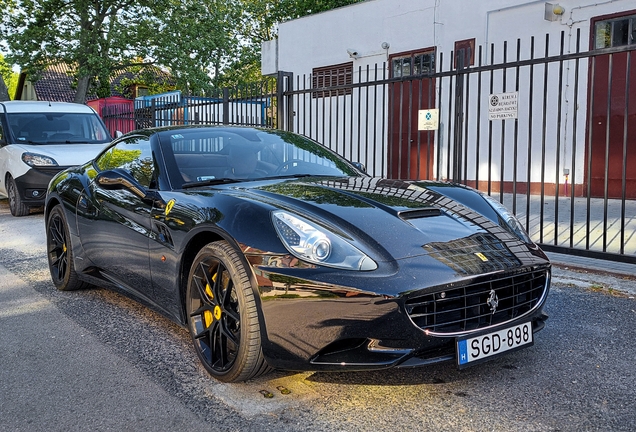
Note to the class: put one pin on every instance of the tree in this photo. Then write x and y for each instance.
(8, 80)
(86, 34)
(4, 92)
(195, 39)
(202, 42)
(259, 23)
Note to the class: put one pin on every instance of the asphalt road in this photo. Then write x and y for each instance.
(95, 360)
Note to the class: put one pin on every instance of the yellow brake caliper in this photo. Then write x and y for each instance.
(208, 316)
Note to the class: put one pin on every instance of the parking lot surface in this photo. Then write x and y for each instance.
(96, 360)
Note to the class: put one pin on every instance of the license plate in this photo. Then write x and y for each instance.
(473, 349)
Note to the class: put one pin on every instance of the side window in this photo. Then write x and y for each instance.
(331, 76)
(615, 32)
(418, 63)
(133, 155)
(4, 132)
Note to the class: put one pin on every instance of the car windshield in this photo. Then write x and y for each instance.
(220, 155)
(57, 128)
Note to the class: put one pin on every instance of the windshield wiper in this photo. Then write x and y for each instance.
(210, 182)
(301, 176)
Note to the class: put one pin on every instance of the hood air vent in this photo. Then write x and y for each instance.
(419, 213)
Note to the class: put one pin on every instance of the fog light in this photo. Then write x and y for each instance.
(34, 193)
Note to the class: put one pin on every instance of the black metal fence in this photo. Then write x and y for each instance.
(247, 105)
(543, 125)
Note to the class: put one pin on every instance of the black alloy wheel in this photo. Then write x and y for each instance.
(60, 253)
(17, 207)
(222, 315)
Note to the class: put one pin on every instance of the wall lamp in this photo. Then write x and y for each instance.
(553, 11)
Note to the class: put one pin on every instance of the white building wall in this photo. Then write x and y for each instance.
(406, 25)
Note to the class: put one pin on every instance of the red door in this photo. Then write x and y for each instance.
(411, 152)
(611, 140)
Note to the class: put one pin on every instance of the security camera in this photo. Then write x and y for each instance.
(353, 53)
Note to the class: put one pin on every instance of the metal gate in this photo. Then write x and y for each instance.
(559, 160)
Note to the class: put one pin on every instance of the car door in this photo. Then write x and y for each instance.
(114, 224)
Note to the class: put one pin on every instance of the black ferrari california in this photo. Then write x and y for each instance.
(277, 253)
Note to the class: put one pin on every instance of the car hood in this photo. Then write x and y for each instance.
(65, 154)
(405, 219)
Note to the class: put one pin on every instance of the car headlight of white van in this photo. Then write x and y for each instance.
(317, 244)
(37, 160)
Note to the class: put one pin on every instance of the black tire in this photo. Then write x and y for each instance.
(17, 207)
(60, 253)
(222, 315)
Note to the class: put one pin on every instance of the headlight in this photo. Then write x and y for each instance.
(316, 244)
(34, 160)
(510, 221)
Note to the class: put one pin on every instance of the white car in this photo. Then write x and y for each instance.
(38, 140)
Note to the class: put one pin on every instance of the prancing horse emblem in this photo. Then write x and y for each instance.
(493, 301)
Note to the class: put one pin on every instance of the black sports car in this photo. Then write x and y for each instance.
(278, 253)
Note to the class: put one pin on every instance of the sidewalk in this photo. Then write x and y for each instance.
(573, 262)
(601, 276)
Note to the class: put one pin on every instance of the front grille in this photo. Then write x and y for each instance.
(466, 308)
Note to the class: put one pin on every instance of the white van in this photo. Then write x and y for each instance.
(38, 140)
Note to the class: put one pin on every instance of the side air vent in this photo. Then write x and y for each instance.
(163, 233)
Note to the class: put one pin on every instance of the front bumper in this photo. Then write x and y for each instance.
(33, 184)
(312, 325)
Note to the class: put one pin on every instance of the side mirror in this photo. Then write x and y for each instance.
(119, 179)
(118, 134)
(360, 166)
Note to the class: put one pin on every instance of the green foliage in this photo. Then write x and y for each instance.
(204, 43)
(88, 34)
(153, 78)
(10, 78)
(117, 158)
(258, 23)
(196, 40)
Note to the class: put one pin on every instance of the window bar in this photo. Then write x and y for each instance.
(502, 142)
(384, 126)
(439, 130)
(478, 132)
(451, 110)
(530, 111)
(558, 144)
(418, 174)
(574, 126)
(515, 149)
(492, 72)
(624, 173)
(607, 147)
(466, 118)
(543, 137)
(409, 123)
(371, 158)
(351, 124)
(366, 127)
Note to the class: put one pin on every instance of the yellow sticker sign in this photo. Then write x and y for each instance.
(481, 256)
(169, 207)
